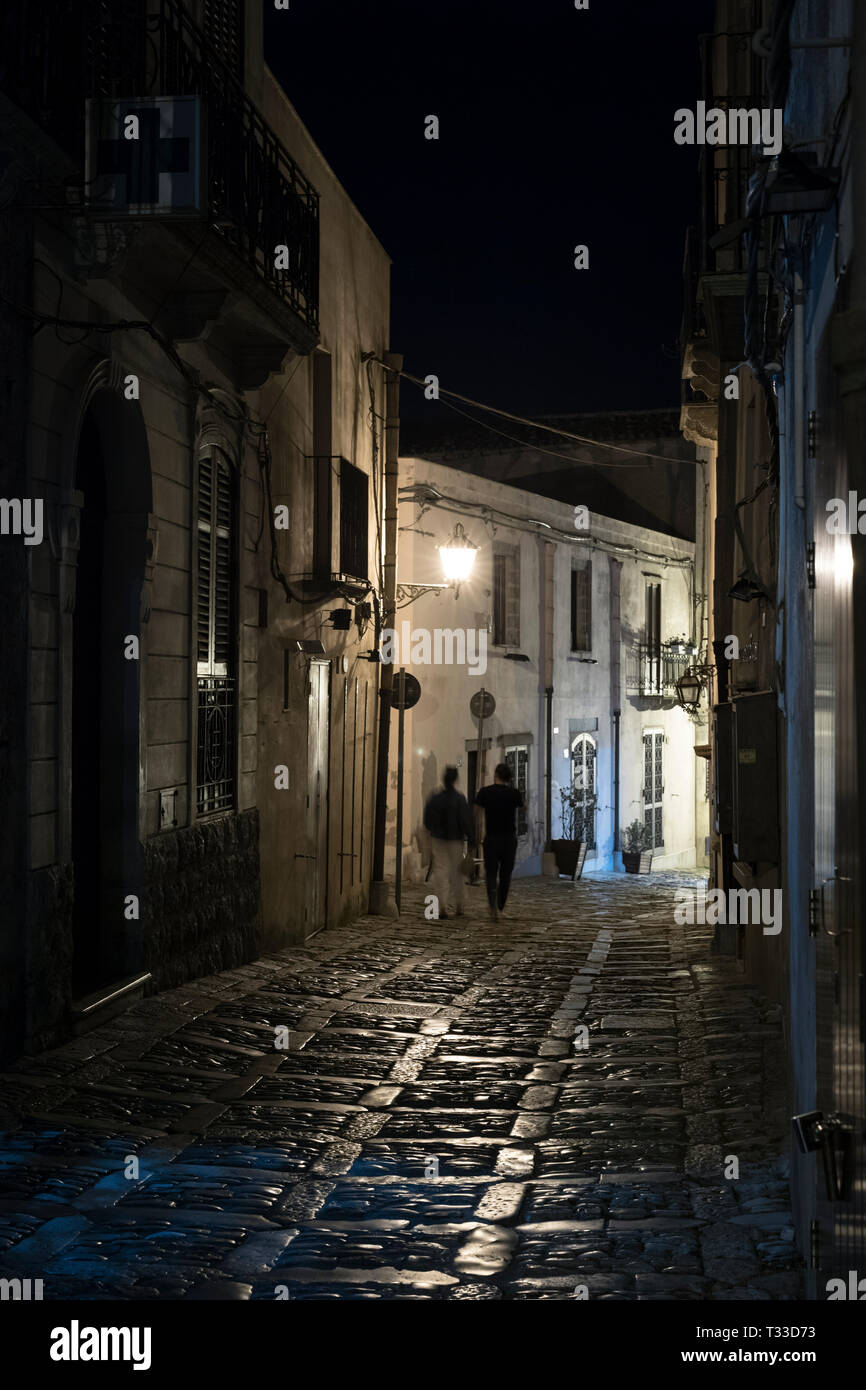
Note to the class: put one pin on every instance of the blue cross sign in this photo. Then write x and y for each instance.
(150, 166)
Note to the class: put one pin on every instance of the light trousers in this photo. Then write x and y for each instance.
(447, 877)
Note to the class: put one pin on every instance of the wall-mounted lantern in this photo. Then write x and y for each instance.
(457, 556)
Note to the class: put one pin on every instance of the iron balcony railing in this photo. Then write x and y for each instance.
(725, 171)
(57, 53)
(655, 670)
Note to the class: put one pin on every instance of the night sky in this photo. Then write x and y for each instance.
(556, 128)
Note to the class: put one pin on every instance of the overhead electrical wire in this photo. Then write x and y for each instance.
(539, 448)
(418, 492)
(539, 425)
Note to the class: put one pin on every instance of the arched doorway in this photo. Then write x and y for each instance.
(111, 481)
(88, 656)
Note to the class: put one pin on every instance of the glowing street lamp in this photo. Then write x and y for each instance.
(457, 556)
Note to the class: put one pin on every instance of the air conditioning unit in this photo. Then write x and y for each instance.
(145, 157)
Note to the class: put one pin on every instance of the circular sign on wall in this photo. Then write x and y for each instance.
(411, 690)
(482, 705)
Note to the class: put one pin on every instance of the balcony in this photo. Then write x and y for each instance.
(716, 260)
(60, 53)
(654, 671)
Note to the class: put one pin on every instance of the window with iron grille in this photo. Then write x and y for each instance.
(506, 595)
(215, 621)
(353, 520)
(584, 754)
(654, 786)
(224, 27)
(581, 606)
(517, 759)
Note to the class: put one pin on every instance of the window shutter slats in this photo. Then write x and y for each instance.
(205, 490)
(216, 750)
(222, 602)
(214, 608)
(203, 597)
(224, 497)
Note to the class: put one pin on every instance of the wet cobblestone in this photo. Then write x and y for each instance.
(434, 1128)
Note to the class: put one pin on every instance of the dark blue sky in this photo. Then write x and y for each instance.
(556, 128)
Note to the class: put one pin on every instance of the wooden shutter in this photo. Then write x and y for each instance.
(214, 566)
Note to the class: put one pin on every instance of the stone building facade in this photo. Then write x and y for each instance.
(778, 411)
(594, 620)
(193, 298)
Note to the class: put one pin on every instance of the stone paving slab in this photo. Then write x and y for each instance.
(539, 1108)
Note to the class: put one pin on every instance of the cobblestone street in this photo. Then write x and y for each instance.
(435, 1130)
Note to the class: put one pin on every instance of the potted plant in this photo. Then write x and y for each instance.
(577, 815)
(637, 850)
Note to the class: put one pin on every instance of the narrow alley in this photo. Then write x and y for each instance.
(410, 1110)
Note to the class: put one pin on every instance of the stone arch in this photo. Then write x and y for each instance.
(107, 555)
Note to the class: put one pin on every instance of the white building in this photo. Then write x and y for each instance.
(577, 612)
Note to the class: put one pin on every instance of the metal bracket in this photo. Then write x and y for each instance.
(830, 1136)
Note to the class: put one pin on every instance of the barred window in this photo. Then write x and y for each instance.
(584, 753)
(517, 759)
(581, 606)
(654, 786)
(215, 627)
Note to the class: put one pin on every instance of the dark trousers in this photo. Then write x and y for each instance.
(499, 852)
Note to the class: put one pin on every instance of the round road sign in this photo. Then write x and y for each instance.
(482, 705)
(411, 690)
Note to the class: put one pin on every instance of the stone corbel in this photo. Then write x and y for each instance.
(189, 316)
(257, 361)
(699, 422)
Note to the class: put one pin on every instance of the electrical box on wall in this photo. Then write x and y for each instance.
(754, 770)
(168, 808)
(723, 799)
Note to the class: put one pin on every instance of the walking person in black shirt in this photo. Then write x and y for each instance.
(449, 821)
(499, 803)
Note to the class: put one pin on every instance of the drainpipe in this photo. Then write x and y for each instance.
(617, 715)
(382, 901)
(799, 402)
(548, 788)
(548, 554)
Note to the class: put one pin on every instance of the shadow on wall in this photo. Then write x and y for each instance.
(430, 783)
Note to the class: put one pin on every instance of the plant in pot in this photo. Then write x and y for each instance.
(637, 850)
(577, 814)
